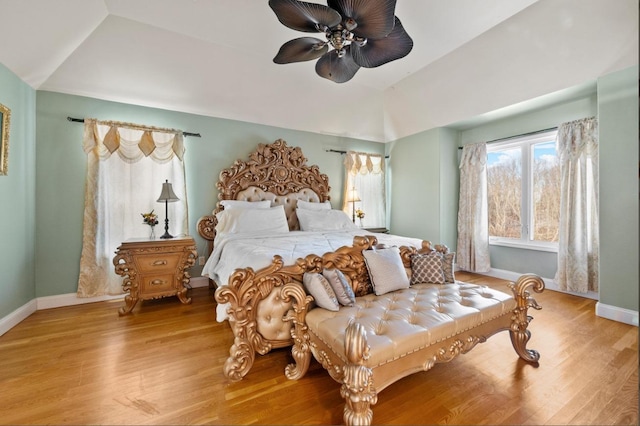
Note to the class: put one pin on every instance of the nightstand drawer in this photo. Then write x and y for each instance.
(157, 284)
(162, 262)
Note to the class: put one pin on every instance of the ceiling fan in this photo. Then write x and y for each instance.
(361, 33)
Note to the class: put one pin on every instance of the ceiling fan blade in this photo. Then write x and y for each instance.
(374, 18)
(377, 52)
(336, 69)
(303, 16)
(301, 49)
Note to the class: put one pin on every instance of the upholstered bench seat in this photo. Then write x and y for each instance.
(404, 321)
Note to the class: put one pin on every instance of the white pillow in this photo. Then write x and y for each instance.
(341, 287)
(324, 220)
(386, 270)
(321, 290)
(238, 220)
(235, 204)
(308, 205)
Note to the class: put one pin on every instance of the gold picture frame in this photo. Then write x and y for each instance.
(5, 118)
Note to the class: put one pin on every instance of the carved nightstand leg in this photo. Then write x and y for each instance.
(182, 293)
(129, 303)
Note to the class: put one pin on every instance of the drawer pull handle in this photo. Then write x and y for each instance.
(157, 282)
(159, 262)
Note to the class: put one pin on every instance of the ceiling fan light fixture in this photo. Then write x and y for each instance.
(360, 33)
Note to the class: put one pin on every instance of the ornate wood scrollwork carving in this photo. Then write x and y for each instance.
(357, 383)
(301, 350)
(276, 168)
(520, 320)
(244, 292)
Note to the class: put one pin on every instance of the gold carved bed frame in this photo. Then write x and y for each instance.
(275, 172)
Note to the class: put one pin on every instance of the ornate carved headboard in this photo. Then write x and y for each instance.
(274, 172)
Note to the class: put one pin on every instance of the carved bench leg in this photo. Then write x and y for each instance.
(520, 320)
(301, 350)
(357, 387)
(519, 341)
(242, 355)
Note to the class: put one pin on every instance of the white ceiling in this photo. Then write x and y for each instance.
(214, 58)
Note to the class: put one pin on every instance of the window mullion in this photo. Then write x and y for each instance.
(526, 193)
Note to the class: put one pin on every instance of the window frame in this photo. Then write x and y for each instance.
(526, 144)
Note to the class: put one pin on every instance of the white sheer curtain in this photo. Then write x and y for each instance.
(126, 166)
(365, 172)
(578, 245)
(473, 222)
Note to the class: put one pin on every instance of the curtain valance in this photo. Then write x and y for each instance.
(132, 142)
(363, 163)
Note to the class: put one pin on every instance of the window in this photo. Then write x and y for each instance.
(523, 189)
(126, 167)
(365, 173)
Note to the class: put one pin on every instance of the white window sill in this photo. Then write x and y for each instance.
(548, 247)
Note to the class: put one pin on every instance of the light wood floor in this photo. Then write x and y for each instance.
(163, 365)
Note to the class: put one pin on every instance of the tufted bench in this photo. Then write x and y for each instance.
(401, 322)
(383, 338)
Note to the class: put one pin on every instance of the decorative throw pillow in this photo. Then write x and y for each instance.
(448, 260)
(386, 270)
(427, 269)
(318, 287)
(340, 286)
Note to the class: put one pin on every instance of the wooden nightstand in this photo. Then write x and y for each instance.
(154, 268)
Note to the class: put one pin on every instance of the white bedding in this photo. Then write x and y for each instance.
(256, 250)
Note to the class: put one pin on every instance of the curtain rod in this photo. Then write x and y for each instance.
(520, 135)
(81, 120)
(344, 152)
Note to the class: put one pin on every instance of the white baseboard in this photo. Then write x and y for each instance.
(197, 282)
(17, 316)
(69, 299)
(615, 313)
(549, 283)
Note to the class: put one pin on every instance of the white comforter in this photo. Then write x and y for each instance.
(256, 250)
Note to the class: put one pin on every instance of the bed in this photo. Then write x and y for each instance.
(278, 175)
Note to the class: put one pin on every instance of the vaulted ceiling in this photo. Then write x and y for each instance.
(214, 58)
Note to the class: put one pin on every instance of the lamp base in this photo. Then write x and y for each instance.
(166, 229)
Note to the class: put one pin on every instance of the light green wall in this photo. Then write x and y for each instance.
(424, 186)
(518, 260)
(619, 238)
(17, 192)
(61, 167)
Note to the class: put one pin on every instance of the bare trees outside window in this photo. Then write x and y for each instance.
(523, 188)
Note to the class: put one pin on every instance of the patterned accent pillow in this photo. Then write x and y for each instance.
(318, 287)
(386, 270)
(448, 260)
(340, 286)
(427, 269)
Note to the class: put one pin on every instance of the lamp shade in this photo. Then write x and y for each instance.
(167, 193)
(353, 196)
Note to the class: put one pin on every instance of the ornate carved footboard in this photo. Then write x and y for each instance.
(256, 296)
(364, 368)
